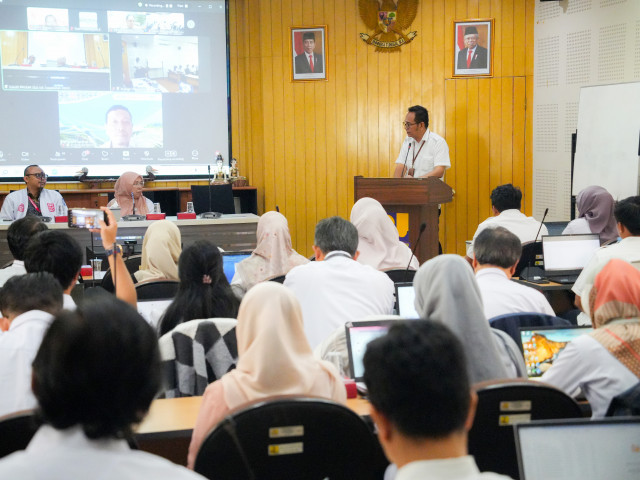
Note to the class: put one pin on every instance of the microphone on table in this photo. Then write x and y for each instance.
(423, 227)
(210, 213)
(133, 202)
(133, 215)
(532, 273)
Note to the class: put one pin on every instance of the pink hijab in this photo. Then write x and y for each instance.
(378, 244)
(274, 355)
(595, 204)
(273, 255)
(122, 193)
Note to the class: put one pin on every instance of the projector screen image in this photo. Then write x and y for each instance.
(113, 86)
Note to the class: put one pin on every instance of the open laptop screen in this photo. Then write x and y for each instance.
(359, 334)
(579, 449)
(568, 254)
(230, 260)
(542, 345)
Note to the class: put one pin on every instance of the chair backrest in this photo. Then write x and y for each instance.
(511, 323)
(501, 404)
(291, 437)
(16, 431)
(195, 354)
(400, 275)
(221, 198)
(157, 289)
(133, 265)
(530, 251)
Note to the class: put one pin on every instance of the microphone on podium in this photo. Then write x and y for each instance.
(423, 227)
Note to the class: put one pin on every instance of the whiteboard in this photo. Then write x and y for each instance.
(608, 136)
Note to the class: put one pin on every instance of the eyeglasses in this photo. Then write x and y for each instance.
(138, 184)
(408, 124)
(41, 176)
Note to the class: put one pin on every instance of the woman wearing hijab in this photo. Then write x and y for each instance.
(130, 183)
(595, 206)
(274, 358)
(272, 257)
(605, 362)
(378, 243)
(160, 252)
(447, 292)
(204, 291)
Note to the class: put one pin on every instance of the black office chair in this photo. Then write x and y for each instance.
(157, 290)
(221, 198)
(400, 275)
(501, 403)
(511, 323)
(627, 404)
(291, 437)
(133, 265)
(530, 251)
(16, 431)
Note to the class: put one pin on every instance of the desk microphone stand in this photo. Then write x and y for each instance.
(210, 214)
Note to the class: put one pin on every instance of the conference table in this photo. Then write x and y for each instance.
(166, 430)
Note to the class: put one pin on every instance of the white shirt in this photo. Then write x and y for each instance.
(68, 455)
(68, 302)
(434, 153)
(16, 268)
(458, 468)
(577, 226)
(501, 295)
(16, 204)
(18, 348)
(525, 228)
(585, 365)
(337, 290)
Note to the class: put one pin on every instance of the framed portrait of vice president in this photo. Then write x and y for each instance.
(473, 48)
(308, 53)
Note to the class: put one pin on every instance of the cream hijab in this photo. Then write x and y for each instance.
(447, 292)
(160, 252)
(274, 355)
(122, 193)
(378, 243)
(273, 254)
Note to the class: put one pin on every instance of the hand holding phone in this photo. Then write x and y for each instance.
(86, 217)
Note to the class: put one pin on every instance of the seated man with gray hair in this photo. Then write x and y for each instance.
(335, 288)
(496, 254)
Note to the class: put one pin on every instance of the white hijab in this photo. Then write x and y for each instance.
(161, 249)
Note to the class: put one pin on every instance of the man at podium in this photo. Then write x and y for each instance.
(423, 153)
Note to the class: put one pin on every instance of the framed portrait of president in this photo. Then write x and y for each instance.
(473, 48)
(309, 53)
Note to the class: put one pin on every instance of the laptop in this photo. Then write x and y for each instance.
(542, 345)
(566, 255)
(405, 297)
(579, 449)
(358, 335)
(230, 260)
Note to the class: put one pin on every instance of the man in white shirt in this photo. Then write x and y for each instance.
(627, 213)
(28, 303)
(506, 201)
(33, 200)
(496, 254)
(18, 235)
(421, 401)
(94, 376)
(336, 288)
(423, 153)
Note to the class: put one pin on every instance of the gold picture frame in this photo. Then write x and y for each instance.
(473, 58)
(304, 68)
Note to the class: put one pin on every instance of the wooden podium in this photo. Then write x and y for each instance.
(419, 197)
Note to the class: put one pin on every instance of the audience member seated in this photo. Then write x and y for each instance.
(273, 256)
(56, 252)
(595, 209)
(421, 401)
(28, 303)
(94, 376)
(130, 183)
(447, 292)
(496, 254)
(605, 362)
(506, 201)
(204, 291)
(336, 288)
(627, 214)
(378, 238)
(274, 358)
(160, 252)
(18, 235)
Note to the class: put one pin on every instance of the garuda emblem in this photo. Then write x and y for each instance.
(388, 19)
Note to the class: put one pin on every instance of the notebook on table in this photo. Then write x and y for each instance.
(405, 297)
(566, 255)
(579, 449)
(542, 345)
(230, 260)
(358, 335)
